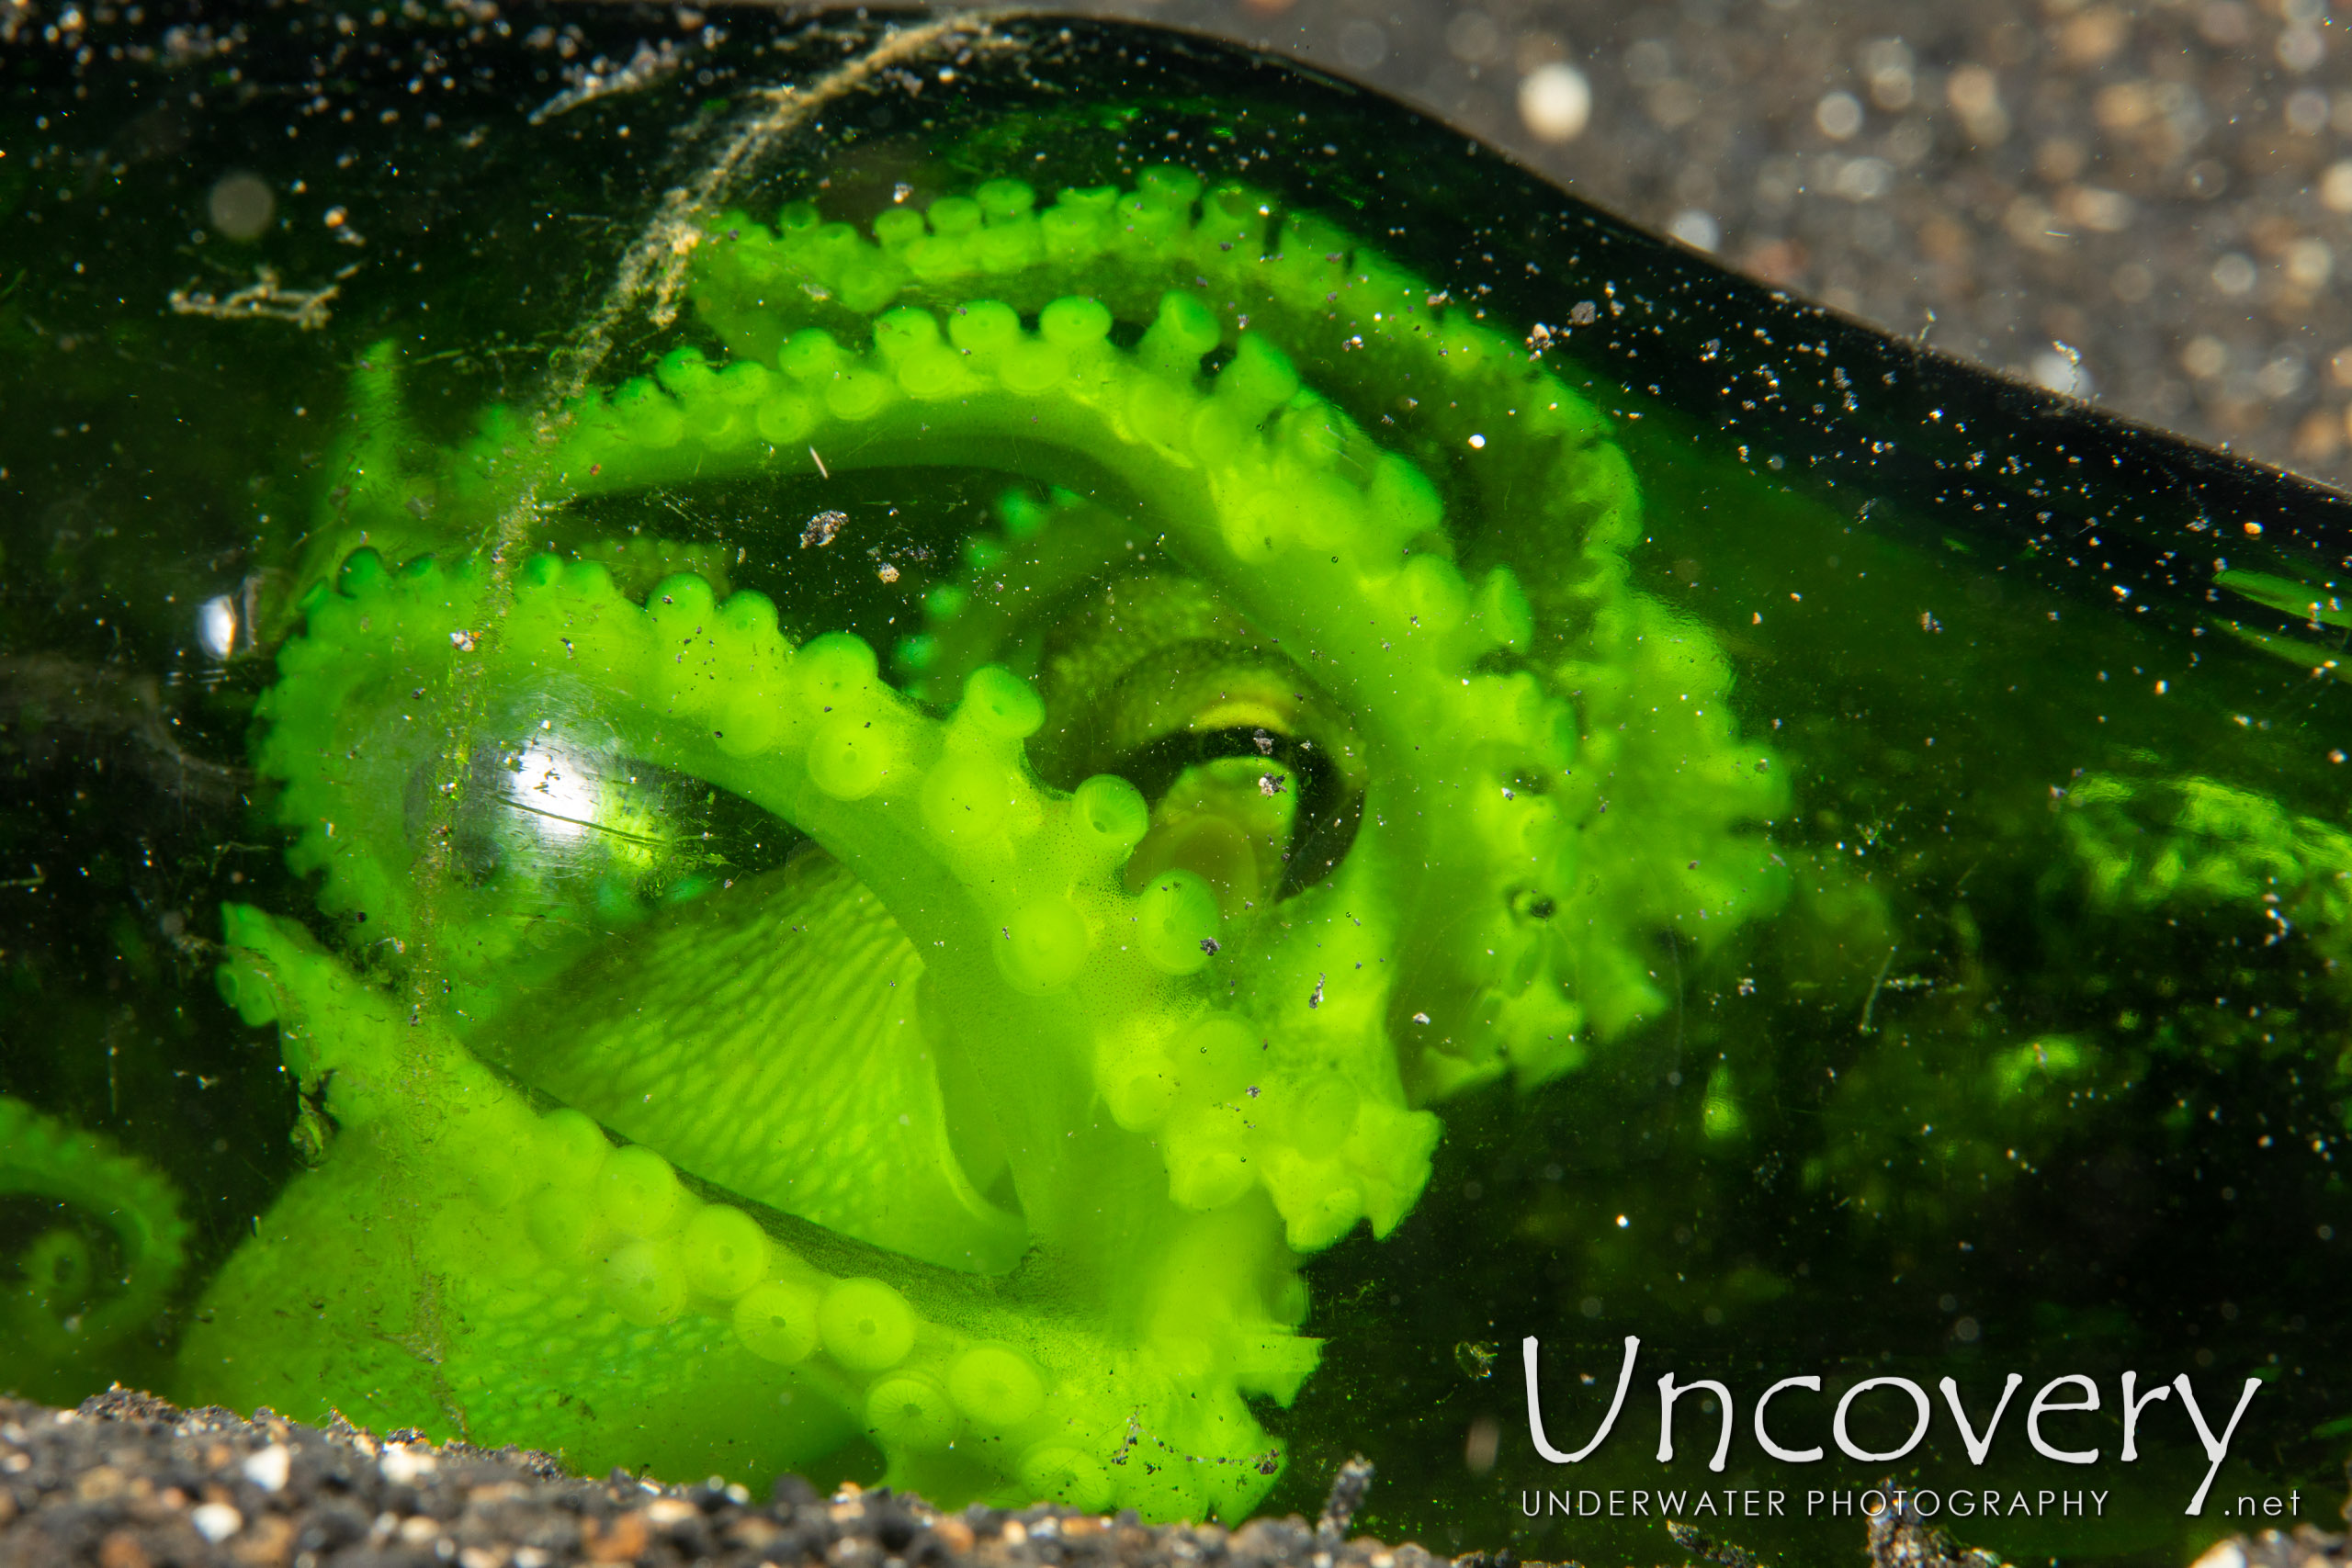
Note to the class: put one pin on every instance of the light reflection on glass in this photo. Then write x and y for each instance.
(216, 624)
(558, 787)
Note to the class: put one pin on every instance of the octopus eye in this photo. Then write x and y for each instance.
(1257, 815)
(1255, 777)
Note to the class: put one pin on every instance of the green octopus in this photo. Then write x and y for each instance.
(718, 1053)
(1234, 806)
(1247, 794)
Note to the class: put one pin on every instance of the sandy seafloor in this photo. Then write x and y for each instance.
(128, 1481)
(2148, 207)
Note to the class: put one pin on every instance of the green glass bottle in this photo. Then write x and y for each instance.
(1038, 760)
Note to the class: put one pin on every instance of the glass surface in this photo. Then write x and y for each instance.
(1031, 757)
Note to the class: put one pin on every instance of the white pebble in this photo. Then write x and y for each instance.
(403, 1464)
(1838, 115)
(1556, 102)
(216, 1522)
(2060, 374)
(1696, 228)
(2335, 187)
(267, 1469)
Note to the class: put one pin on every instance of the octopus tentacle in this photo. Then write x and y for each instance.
(72, 1302)
(2144, 852)
(1007, 889)
(2142, 844)
(1252, 467)
(514, 1217)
